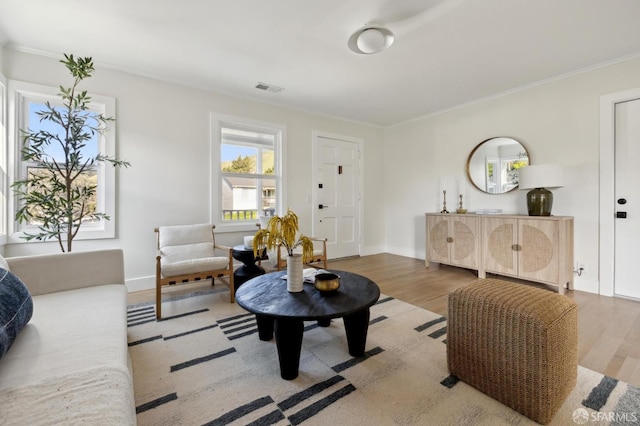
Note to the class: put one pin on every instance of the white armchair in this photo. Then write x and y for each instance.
(189, 253)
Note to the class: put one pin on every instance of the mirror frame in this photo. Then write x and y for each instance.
(477, 147)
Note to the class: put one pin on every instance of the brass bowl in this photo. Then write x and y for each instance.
(327, 282)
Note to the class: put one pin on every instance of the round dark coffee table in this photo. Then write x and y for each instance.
(249, 269)
(278, 310)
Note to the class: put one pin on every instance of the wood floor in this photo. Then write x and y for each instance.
(608, 328)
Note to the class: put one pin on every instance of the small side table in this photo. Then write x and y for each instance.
(249, 269)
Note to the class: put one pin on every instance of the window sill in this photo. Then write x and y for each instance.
(237, 227)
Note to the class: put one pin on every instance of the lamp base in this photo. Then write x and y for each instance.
(539, 202)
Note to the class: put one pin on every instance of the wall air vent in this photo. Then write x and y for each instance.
(269, 87)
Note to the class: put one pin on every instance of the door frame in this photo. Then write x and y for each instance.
(607, 186)
(316, 136)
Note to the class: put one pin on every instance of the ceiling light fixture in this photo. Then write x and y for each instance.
(370, 39)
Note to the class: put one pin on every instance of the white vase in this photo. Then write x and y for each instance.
(294, 273)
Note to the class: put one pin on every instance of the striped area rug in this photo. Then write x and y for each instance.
(203, 364)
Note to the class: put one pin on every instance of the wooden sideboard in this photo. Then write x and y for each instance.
(533, 248)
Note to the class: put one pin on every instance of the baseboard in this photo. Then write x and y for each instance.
(402, 251)
(370, 250)
(589, 286)
(140, 284)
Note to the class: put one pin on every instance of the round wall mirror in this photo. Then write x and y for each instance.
(493, 165)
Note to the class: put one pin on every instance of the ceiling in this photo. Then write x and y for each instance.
(446, 52)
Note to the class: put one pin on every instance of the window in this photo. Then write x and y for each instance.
(3, 160)
(247, 171)
(27, 100)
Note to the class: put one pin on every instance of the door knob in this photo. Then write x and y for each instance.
(622, 201)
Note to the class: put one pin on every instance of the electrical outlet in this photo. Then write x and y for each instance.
(582, 267)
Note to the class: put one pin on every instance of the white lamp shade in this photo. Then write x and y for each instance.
(541, 176)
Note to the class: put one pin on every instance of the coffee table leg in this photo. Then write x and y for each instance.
(324, 322)
(356, 326)
(265, 327)
(289, 342)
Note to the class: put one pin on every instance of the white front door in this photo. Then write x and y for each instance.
(337, 194)
(627, 198)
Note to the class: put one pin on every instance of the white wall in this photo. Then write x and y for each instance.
(163, 130)
(557, 122)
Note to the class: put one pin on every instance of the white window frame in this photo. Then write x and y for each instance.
(218, 121)
(3, 160)
(20, 94)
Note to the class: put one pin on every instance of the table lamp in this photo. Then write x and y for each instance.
(538, 178)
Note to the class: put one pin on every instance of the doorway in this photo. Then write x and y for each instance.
(619, 193)
(336, 196)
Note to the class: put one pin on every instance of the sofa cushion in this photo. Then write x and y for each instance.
(69, 331)
(49, 273)
(16, 309)
(102, 395)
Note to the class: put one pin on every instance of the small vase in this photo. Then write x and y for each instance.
(294, 273)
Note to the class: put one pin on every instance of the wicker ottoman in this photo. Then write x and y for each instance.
(515, 343)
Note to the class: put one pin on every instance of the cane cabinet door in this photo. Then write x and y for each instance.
(500, 245)
(437, 239)
(453, 239)
(525, 248)
(538, 255)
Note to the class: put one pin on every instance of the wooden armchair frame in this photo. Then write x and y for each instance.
(317, 257)
(281, 262)
(196, 276)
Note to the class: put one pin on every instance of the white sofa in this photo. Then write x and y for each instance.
(70, 363)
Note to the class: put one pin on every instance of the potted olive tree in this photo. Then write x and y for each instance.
(58, 194)
(282, 231)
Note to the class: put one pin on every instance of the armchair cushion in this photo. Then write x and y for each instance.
(192, 266)
(184, 234)
(188, 249)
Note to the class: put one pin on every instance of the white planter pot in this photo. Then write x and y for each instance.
(294, 273)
